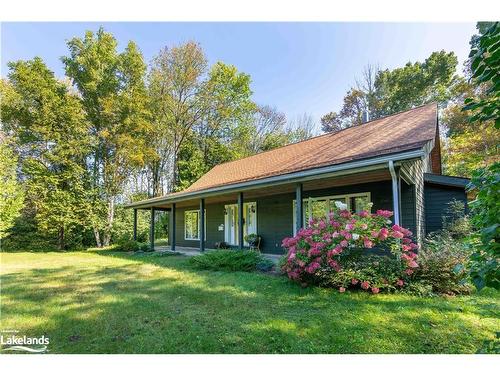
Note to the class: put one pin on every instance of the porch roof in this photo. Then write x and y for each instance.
(401, 136)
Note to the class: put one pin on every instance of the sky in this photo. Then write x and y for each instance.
(296, 67)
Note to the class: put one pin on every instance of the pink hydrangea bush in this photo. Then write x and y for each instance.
(323, 246)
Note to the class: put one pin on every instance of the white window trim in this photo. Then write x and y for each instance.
(329, 199)
(185, 225)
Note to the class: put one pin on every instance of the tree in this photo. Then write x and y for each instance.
(269, 126)
(485, 66)
(331, 122)
(228, 107)
(470, 144)
(175, 86)
(485, 53)
(301, 128)
(385, 92)
(485, 270)
(11, 192)
(415, 84)
(48, 125)
(112, 91)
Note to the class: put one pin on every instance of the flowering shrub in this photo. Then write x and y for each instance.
(325, 244)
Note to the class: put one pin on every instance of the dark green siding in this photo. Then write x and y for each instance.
(408, 207)
(215, 217)
(275, 214)
(437, 198)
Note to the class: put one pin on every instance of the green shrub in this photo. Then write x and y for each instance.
(370, 272)
(114, 247)
(145, 246)
(230, 260)
(443, 264)
(130, 245)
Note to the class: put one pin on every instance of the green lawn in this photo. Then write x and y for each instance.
(120, 303)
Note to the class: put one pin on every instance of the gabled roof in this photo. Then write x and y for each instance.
(403, 131)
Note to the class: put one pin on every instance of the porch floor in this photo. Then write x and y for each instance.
(192, 251)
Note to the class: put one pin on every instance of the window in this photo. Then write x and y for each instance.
(319, 207)
(192, 225)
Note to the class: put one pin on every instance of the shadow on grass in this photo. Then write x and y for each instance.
(159, 304)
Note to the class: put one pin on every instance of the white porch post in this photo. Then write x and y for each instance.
(395, 193)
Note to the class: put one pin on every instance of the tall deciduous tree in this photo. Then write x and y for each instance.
(470, 144)
(48, 124)
(384, 92)
(175, 86)
(113, 94)
(11, 192)
(228, 107)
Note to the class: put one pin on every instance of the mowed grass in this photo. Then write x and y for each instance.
(120, 303)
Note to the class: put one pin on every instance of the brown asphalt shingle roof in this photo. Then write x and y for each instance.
(399, 132)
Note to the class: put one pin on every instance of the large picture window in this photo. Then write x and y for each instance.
(192, 225)
(319, 207)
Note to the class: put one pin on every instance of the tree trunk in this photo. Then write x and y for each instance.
(109, 224)
(97, 237)
(61, 238)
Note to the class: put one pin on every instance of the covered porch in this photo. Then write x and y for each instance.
(276, 210)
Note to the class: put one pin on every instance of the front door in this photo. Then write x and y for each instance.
(231, 228)
(231, 224)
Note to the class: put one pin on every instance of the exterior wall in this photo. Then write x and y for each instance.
(215, 217)
(275, 214)
(415, 169)
(437, 198)
(408, 207)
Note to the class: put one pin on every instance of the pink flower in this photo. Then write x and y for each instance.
(364, 213)
(383, 234)
(312, 267)
(345, 214)
(397, 228)
(400, 282)
(413, 264)
(409, 271)
(375, 290)
(335, 224)
(341, 289)
(344, 243)
(314, 252)
(364, 226)
(367, 243)
(384, 213)
(397, 234)
(365, 285)
(354, 281)
(406, 247)
(334, 265)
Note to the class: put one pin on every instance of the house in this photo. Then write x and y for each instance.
(393, 162)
